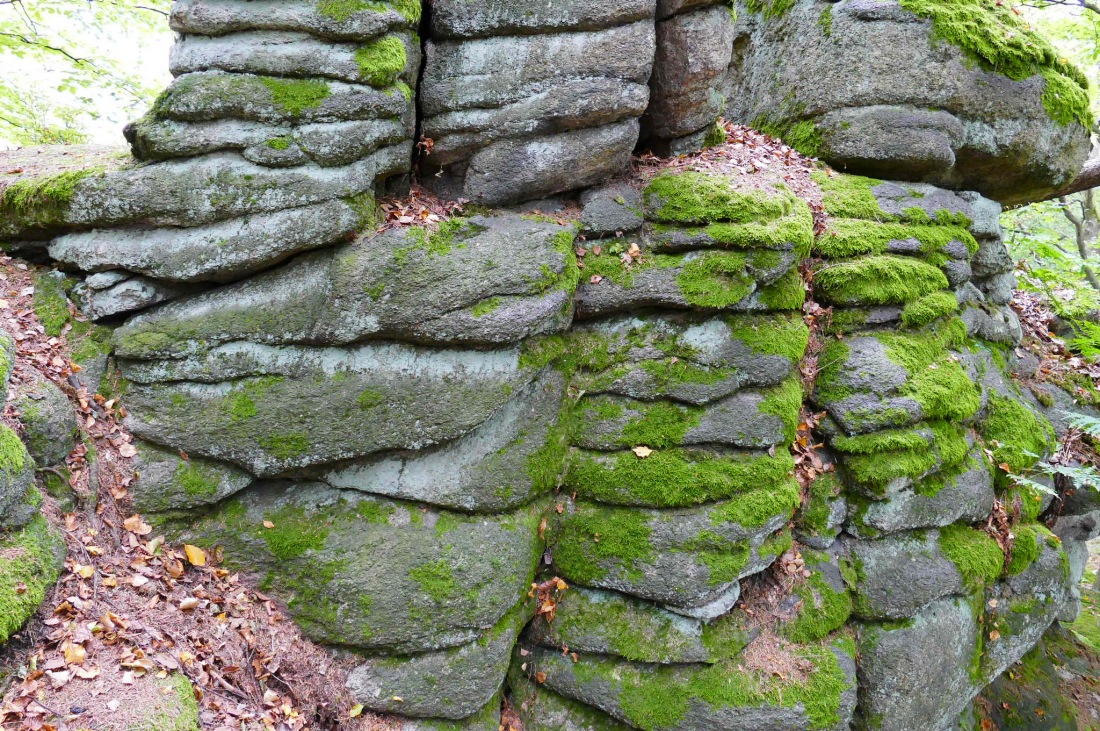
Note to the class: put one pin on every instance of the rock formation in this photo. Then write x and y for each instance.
(432, 420)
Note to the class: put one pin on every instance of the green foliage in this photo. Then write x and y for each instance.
(1000, 40)
(65, 67)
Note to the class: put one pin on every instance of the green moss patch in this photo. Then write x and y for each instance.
(343, 10)
(382, 61)
(659, 698)
(296, 96)
(41, 202)
(705, 198)
(928, 309)
(783, 335)
(674, 477)
(823, 611)
(878, 280)
(875, 470)
(51, 303)
(975, 554)
(1027, 546)
(802, 135)
(1018, 436)
(847, 237)
(595, 535)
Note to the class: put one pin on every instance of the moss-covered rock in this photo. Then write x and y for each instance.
(166, 481)
(32, 558)
(608, 623)
(49, 421)
(688, 358)
(272, 411)
(374, 573)
(541, 709)
(689, 560)
(16, 479)
(519, 453)
(699, 698)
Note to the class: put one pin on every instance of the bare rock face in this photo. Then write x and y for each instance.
(901, 89)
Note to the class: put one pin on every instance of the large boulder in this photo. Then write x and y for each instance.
(961, 94)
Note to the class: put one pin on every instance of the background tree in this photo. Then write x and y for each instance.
(68, 62)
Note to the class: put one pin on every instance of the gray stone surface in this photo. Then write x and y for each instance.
(284, 54)
(500, 465)
(166, 481)
(489, 281)
(611, 209)
(929, 575)
(693, 52)
(244, 403)
(377, 574)
(218, 252)
(455, 683)
(917, 675)
(49, 421)
(128, 296)
(461, 19)
(513, 171)
(967, 497)
(544, 710)
(222, 17)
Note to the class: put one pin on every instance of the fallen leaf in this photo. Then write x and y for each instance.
(189, 604)
(268, 524)
(356, 710)
(195, 555)
(642, 452)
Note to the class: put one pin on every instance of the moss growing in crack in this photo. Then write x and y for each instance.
(929, 308)
(41, 202)
(596, 534)
(705, 198)
(802, 135)
(817, 510)
(975, 554)
(878, 280)
(785, 402)
(486, 307)
(381, 61)
(50, 303)
(1000, 40)
(825, 21)
(725, 560)
(88, 341)
(296, 96)
(823, 610)
(716, 135)
(342, 10)
(13, 455)
(1017, 435)
(783, 335)
(674, 477)
(29, 567)
(787, 293)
